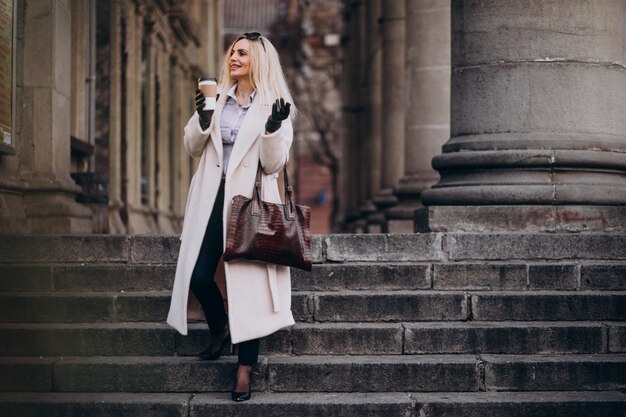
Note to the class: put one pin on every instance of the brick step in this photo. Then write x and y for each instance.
(158, 339)
(333, 277)
(329, 404)
(334, 248)
(160, 277)
(383, 373)
(372, 306)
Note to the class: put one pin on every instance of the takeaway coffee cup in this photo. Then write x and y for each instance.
(208, 86)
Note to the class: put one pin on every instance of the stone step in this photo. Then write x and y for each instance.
(531, 305)
(335, 248)
(158, 339)
(382, 373)
(333, 277)
(554, 372)
(451, 305)
(328, 404)
(357, 306)
(98, 307)
(160, 277)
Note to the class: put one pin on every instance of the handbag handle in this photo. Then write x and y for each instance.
(258, 189)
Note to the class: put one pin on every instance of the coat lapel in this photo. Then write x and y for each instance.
(251, 128)
(216, 135)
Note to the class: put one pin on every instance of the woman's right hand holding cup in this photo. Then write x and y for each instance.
(205, 115)
(205, 100)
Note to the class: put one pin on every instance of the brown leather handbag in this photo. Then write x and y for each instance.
(269, 232)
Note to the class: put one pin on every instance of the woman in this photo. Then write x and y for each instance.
(250, 126)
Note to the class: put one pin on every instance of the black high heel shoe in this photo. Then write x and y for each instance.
(242, 396)
(217, 346)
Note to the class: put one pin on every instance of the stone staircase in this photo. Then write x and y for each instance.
(421, 325)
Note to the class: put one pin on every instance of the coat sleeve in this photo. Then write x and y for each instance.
(275, 148)
(195, 138)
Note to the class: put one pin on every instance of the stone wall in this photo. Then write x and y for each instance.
(104, 89)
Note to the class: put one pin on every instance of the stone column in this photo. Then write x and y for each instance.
(116, 203)
(44, 120)
(427, 125)
(363, 154)
(164, 138)
(132, 116)
(538, 133)
(179, 156)
(139, 215)
(78, 101)
(393, 14)
(373, 137)
(350, 167)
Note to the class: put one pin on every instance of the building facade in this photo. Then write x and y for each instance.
(103, 89)
(455, 117)
(484, 116)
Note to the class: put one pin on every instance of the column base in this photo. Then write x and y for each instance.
(377, 222)
(401, 218)
(166, 224)
(116, 224)
(12, 216)
(52, 213)
(530, 218)
(141, 220)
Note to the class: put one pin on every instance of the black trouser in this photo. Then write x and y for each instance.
(204, 287)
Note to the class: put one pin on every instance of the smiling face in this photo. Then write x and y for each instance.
(239, 61)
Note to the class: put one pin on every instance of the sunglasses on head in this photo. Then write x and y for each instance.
(253, 36)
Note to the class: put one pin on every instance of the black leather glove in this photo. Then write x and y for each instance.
(205, 115)
(280, 111)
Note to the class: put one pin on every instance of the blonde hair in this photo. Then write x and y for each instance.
(266, 73)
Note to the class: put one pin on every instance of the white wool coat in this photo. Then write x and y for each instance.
(259, 295)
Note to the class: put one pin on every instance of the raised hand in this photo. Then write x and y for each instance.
(205, 115)
(280, 111)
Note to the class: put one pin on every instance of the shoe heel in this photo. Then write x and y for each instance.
(216, 354)
(242, 396)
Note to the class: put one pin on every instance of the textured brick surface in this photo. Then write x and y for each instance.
(300, 308)
(617, 337)
(63, 404)
(332, 404)
(41, 308)
(344, 339)
(603, 277)
(144, 374)
(305, 404)
(25, 278)
(390, 306)
(521, 404)
(552, 277)
(373, 373)
(549, 306)
(535, 246)
(362, 276)
(317, 248)
(77, 248)
(384, 248)
(26, 374)
(114, 277)
(504, 337)
(84, 339)
(142, 306)
(574, 372)
(479, 276)
(154, 249)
